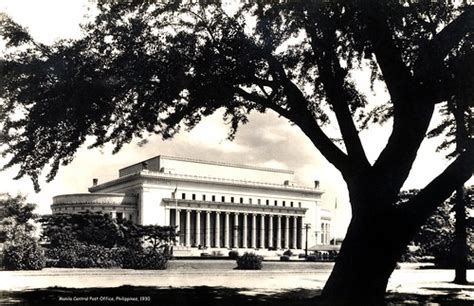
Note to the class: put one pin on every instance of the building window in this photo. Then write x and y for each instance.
(183, 196)
(284, 204)
(259, 202)
(204, 197)
(250, 200)
(267, 202)
(291, 203)
(223, 199)
(276, 202)
(213, 198)
(299, 204)
(193, 196)
(231, 199)
(241, 200)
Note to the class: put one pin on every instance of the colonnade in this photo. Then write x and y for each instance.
(223, 229)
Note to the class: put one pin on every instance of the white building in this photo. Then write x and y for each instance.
(213, 204)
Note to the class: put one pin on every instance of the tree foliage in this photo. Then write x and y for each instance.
(88, 227)
(18, 217)
(436, 237)
(100, 229)
(154, 68)
(21, 250)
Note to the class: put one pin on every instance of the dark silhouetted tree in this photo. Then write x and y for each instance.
(151, 68)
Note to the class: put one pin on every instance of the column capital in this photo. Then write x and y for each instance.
(208, 212)
(227, 212)
(245, 214)
(218, 212)
(236, 213)
(178, 209)
(279, 216)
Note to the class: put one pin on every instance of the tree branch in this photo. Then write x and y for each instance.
(389, 57)
(423, 204)
(432, 54)
(332, 76)
(307, 124)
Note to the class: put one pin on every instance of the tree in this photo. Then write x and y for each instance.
(92, 228)
(17, 219)
(437, 237)
(150, 68)
(21, 250)
(457, 125)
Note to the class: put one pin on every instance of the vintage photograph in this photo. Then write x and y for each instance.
(236, 152)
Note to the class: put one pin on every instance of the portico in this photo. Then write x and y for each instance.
(214, 224)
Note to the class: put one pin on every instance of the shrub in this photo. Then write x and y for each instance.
(312, 258)
(80, 255)
(285, 258)
(144, 259)
(249, 261)
(288, 253)
(233, 254)
(23, 254)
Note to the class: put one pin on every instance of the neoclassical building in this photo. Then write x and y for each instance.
(213, 204)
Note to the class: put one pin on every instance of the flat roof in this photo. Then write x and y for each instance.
(217, 163)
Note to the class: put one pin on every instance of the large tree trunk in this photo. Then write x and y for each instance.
(368, 256)
(460, 238)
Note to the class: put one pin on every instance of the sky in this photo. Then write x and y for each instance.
(267, 140)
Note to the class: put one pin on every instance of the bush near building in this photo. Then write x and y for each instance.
(91, 240)
(79, 255)
(233, 254)
(23, 254)
(249, 261)
(146, 258)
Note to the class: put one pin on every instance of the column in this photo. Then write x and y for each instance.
(226, 230)
(287, 232)
(244, 236)
(302, 230)
(198, 228)
(177, 223)
(218, 229)
(295, 230)
(188, 228)
(236, 230)
(270, 231)
(278, 244)
(262, 231)
(254, 231)
(208, 229)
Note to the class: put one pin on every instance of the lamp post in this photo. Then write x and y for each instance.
(307, 227)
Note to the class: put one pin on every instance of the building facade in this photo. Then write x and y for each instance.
(212, 204)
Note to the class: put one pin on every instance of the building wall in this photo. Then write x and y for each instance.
(169, 179)
(152, 191)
